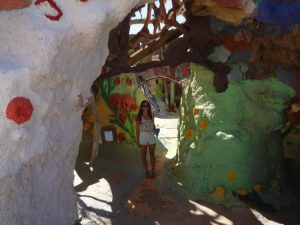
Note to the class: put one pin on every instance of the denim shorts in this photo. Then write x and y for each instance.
(147, 138)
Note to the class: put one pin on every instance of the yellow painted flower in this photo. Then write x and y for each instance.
(196, 111)
(220, 192)
(242, 192)
(203, 124)
(189, 133)
(231, 175)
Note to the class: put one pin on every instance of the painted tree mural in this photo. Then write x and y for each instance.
(117, 105)
(120, 95)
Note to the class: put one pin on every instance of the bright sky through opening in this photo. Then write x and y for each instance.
(135, 28)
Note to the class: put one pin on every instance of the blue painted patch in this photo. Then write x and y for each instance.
(278, 16)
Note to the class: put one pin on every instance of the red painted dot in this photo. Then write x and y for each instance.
(19, 110)
(104, 69)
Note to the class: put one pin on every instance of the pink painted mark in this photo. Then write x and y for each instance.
(54, 6)
(83, 0)
(14, 4)
(19, 110)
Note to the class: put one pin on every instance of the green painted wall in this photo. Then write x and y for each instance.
(230, 143)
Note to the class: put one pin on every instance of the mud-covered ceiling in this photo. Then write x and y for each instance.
(268, 27)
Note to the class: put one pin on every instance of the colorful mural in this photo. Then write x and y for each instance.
(121, 97)
(117, 105)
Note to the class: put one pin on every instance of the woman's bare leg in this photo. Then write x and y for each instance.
(144, 158)
(152, 158)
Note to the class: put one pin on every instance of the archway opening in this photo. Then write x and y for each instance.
(223, 52)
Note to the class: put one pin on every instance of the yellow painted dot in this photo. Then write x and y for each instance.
(203, 124)
(220, 192)
(196, 111)
(295, 107)
(242, 192)
(189, 133)
(231, 175)
(257, 187)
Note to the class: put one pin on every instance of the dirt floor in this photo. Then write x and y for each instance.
(113, 191)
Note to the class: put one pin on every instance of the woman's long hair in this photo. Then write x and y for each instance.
(139, 116)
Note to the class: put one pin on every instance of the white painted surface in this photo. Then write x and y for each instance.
(50, 63)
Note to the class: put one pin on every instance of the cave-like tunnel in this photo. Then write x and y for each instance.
(223, 84)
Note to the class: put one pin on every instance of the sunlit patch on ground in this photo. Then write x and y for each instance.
(168, 133)
(114, 191)
(96, 200)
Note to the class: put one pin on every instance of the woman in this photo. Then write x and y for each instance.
(145, 137)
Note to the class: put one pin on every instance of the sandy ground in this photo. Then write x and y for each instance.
(113, 191)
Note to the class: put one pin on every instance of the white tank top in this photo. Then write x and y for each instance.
(146, 125)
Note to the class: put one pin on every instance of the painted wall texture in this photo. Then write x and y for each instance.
(230, 143)
(121, 97)
(117, 105)
(50, 53)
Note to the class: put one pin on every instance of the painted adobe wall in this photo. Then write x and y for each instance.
(50, 53)
(230, 142)
(117, 105)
